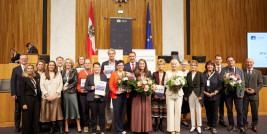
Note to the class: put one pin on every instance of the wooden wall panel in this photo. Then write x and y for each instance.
(221, 26)
(109, 8)
(21, 22)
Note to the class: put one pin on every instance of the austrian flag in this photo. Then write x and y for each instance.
(91, 34)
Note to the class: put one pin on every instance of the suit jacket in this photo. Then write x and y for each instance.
(196, 85)
(168, 76)
(237, 71)
(127, 67)
(107, 63)
(73, 80)
(16, 74)
(215, 84)
(27, 88)
(90, 82)
(254, 81)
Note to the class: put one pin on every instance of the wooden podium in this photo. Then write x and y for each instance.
(33, 58)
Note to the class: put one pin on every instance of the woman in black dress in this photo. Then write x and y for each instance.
(185, 105)
(15, 55)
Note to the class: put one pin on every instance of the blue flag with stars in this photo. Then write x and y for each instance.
(149, 43)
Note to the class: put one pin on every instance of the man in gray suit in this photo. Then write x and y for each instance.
(253, 84)
(236, 96)
(219, 67)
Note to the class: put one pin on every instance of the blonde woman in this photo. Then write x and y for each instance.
(70, 101)
(15, 55)
(159, 102)
(51, 87)
(173, 100)
(185, 106)
(194, 95)
(40, 67)
(30, 99)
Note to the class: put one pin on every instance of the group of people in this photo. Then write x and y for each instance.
(64, 91)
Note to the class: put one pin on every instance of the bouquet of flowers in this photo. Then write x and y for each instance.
(176, 82)
(145, 86)
(127, 80)
(232, 81)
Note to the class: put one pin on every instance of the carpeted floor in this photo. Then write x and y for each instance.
(262, 126)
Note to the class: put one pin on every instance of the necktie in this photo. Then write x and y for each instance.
(249, 73)
(218, 70)
(132, 67)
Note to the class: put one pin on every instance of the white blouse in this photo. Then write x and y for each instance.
(52, 86)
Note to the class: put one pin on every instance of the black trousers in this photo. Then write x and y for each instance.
(238, 106)
(119, 106)
(30, 117)
(98, 109)
(212, 112)
(254, 104)
(84, 109)
(129, 110)
(17, 111)
(221, 108)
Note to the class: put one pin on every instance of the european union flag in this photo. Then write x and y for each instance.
(149, 43)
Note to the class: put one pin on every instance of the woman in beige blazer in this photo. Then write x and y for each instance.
(173, 100)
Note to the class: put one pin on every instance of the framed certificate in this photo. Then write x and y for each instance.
(100, 88)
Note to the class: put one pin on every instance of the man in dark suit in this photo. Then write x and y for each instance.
(16, 74)
(110, 62)
(236, 96)
(219, 67)
(32, 48)
(253, 84)
(130, 67)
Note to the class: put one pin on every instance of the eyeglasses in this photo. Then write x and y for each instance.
(120, 65)
(184, 64)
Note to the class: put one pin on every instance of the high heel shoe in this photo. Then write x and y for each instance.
(192, 129)
(199, 130)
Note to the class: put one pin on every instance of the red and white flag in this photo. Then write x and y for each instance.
(91, 34)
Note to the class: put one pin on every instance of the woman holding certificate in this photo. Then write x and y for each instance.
(194, 95)
(141, 120)
(211, 99)
(174, 99)
(96, 85)
(158, 99)
(119, 97)
(51, 87)
(70, 101)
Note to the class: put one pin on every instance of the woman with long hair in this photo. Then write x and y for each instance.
(51, 86)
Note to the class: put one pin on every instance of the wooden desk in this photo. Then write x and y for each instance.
(33, 58)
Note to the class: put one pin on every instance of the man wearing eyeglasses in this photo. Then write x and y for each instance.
(234, 95)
